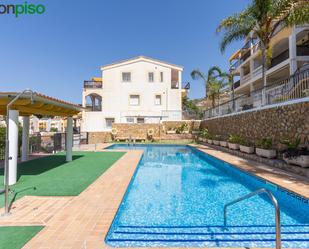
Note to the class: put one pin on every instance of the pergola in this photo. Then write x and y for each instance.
(26, 104)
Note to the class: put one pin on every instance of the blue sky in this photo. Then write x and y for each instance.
(55, 52)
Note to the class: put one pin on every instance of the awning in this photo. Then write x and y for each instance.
(38, 104)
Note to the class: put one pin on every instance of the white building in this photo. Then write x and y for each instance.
(138, 90)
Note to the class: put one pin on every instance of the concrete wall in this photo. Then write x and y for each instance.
(281, 122)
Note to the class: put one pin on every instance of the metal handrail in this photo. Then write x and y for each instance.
(274, 202)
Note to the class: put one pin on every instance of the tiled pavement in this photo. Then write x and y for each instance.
(287, 180)
(85, 220)
(82, 222)
(33, 210)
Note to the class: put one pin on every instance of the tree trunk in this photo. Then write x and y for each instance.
(233, 93)
(213, 98)
(264, 76)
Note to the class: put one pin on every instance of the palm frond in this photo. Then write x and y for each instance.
(196, 74)
(234, 35)
(298, 14)
(213, 70)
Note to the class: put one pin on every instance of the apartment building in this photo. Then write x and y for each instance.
(290, 56)
(137, 90)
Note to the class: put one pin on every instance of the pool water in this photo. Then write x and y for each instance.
(176, 198)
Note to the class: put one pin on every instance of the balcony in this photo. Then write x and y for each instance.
(93, 84)
(279, 58)
(235, 65)
(245, 56)
(302, 50)
(291, 88)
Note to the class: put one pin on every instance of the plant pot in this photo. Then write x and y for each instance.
(216, 142)
(265, 153)
(209, 141)
(170, 132)
(246, 149)
(233, 146)
(302, 160)
(223, 143)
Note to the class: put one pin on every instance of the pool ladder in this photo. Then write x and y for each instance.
(274, 202)
(131, 141)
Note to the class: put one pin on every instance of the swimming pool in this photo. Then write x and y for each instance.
(176, 198)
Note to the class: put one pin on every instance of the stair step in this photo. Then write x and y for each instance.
(294, 236)
(208, 237)
(211, 229)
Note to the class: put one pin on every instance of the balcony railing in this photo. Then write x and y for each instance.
(235, 65)
(294, 87)
(236, 84)
(245, 78)
(187, 86)
(257, 71)
(92, 84)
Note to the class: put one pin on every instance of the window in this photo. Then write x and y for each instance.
(151, 77)
(158, 99)
(140, 120)
(134, 100)
(161, 77)
(130, 120)
(126, 77)
(109, 122)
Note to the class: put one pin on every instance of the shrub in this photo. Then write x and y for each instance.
(265, 143)
(293, 150)
(244, 142)
(204, 133)
(234, 139)
(182, 128)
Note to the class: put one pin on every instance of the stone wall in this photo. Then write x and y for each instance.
(99, 137)
(281, 122)
(140, 131)
(136, 131)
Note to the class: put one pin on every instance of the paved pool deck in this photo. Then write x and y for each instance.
(82, 222)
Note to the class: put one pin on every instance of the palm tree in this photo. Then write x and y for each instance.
(229, 80)
(212, 82)
(263, 17)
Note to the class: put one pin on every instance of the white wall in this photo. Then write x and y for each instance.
(115, 95)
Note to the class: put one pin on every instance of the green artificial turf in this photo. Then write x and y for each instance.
(53, 176)
(17, 237)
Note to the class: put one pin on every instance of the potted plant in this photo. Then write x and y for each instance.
(233, 142)
(203, 134)
(216, 140)
(223, 141)
(245, 146)
(210, 138)
(264, 148)
(294, 154)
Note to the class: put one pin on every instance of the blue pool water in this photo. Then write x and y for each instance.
(176, 198)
